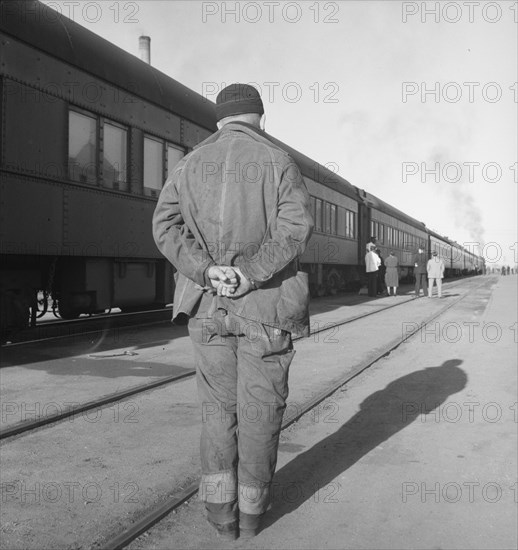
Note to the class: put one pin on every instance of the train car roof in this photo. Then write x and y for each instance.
(59, 36)
(454, 244)
(315, 171)
(442, 238)
(382, 206)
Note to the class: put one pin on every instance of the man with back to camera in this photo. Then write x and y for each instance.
(233, 218)
(420, 272)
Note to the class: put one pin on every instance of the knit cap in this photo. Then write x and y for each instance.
(238, 99)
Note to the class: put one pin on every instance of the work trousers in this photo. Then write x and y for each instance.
(430, 286)
(242, 376)
(420, 282)
(372, 283)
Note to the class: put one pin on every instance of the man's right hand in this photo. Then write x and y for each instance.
(222, 278)
(243, 287)
(228, 281)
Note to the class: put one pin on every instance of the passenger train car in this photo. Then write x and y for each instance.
(89, 134)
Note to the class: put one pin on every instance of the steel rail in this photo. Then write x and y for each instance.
(83, 326)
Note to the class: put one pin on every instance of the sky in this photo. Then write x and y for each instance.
(415, 102)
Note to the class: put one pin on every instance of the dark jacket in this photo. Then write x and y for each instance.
(420, 261)
(238, 200)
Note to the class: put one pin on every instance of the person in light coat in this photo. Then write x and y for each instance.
(372, 264)
(435, 270)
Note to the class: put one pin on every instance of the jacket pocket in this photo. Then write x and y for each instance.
(293, 304)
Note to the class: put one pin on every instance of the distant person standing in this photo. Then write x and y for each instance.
(372, 264)
(391, 273)
(435, 269)
(371, 244)
(381, 273)
(420, 272)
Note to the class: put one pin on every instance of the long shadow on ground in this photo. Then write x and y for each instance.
(381, 415)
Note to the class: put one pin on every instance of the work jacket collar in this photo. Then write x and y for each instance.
(243, 127)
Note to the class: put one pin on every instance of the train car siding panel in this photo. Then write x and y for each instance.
(317, 190)
(119, 226)
(37, 142)
(31, 204)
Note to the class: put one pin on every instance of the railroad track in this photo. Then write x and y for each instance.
(67, 329)
(107, 400)
(177, 499)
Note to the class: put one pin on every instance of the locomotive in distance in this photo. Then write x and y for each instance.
(90, 134)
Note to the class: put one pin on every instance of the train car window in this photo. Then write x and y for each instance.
(349, 225)
(115, 157)
(333, 219)
(174, 155)
(341, 220)
(353, 226)
(327, 217)
(82, 147)
(318, 215)
(153, 166)
(377, 231)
